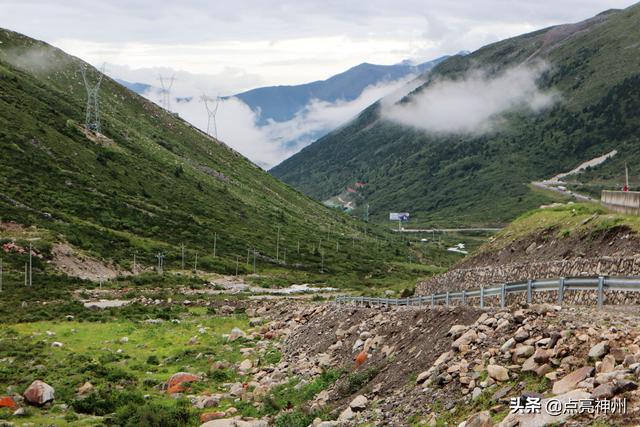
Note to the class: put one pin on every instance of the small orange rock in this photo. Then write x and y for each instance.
(361, 358)
(7, 402)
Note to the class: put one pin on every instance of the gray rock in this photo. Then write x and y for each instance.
(599, 350)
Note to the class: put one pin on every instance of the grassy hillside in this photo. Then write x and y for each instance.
(462, 179)
(148, 183)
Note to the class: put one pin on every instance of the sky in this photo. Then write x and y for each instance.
(223, 47)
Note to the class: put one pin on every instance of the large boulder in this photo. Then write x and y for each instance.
(39, 393)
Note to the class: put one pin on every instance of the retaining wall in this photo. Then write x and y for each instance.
(627, 202)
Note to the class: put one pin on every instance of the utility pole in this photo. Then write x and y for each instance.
(160, 257)
(30, 266)
(254, 260)
(182, 252)
(215, 242)
(278, 245)
(195, 264)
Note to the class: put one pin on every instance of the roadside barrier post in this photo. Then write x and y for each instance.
(600, 291)
(481, 296)
(529, 289)
(502, 296)
(560, 290)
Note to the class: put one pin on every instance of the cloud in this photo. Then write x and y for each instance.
(475, 103)
(237, 125)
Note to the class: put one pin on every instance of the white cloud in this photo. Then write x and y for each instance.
(237, 124)
(473, 104)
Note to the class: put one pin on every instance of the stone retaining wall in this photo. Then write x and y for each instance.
(474, 278)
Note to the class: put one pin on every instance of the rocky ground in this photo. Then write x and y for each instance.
(354, 366)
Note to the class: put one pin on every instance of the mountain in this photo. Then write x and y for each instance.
(139, 88)
(411, 162)
(281, 103)
(147, 182)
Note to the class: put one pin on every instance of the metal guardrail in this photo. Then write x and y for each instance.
(560, 285)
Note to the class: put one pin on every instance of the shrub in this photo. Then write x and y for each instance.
(156, 415)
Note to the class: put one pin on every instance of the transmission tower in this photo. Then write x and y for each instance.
(211, 113)
(166, 83)
(92, 115)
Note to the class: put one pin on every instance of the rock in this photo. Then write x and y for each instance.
(603, 391)
(481, 419)
(85, 389)
(236, 389)
(209, 416)
(422, 377)
(465, 339)
(57, 344)
(599, 350)
(530, 365)
(521, 335)
(611, 376)
(608, 364)
(359, 403)
(457, 330)
(544, 418)
(236, 333)
(357, 345)
(8, 402)
(207, 402)
(523, 351)
(178, 380)
(498, 373)
(508, 345)
(20, 412)
(345, 415)
(570, 381)
(245, 365)
(39, 393)
(124, 340)
(324, 360)
(542, 356)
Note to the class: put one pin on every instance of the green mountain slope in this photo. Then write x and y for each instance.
(449, 179)
(150, 183)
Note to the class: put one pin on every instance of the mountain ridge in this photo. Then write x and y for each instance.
(484, 179)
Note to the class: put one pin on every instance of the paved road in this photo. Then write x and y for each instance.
(445, 230)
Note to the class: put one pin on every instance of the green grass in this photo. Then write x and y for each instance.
(153, 184)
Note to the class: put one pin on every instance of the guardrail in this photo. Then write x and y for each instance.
(560, 285)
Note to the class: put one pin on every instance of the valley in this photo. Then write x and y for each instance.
(153, 276)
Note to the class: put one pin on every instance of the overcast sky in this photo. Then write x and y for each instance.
(248, 43)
